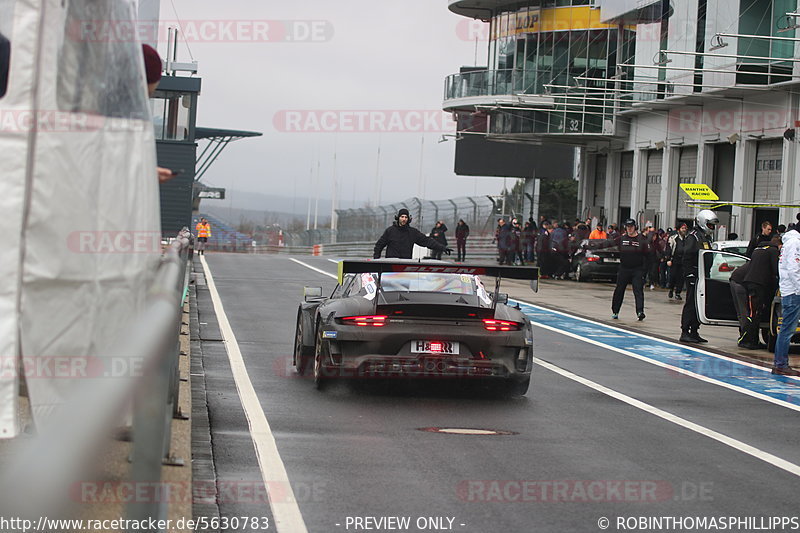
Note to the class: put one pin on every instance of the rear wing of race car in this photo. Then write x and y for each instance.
(381, 266)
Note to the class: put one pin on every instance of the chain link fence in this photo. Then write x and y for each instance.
(367, 223)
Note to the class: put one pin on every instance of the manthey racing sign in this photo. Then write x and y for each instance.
(699, 191)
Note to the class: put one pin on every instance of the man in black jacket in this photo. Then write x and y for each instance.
(675, 260)
(462, 232)
(399, 239)
(633, 251)
(699, 238)
(764, 236)
(761, 282)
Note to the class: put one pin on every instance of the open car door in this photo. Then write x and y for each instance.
(713, 296)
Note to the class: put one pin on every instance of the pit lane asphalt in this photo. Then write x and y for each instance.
(356, 451)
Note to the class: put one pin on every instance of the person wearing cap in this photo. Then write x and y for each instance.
(152, 69)
(598, 233)
(698, 239)
(399, 239)
(633, 250)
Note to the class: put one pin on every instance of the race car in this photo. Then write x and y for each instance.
(416, 319)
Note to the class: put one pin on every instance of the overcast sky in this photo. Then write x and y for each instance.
(368, 56)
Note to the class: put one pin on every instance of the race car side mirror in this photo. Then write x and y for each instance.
(312, 293)
(502, 298)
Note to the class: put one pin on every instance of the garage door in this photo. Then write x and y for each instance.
(769, 162)
(655, 160)
(626, 179)
(600, 180)
(687, 173)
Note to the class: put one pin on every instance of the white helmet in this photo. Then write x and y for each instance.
(707, 221)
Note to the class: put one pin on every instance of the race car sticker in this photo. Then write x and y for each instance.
(482, 294)
(369, 286)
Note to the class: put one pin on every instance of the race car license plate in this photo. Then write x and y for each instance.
(611, 260)
(435, 347)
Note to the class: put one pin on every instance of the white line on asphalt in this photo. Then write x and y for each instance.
(285, 511)
(644, 336)
(672, 368)
(333, 261)
(710, 433)
(315, 269)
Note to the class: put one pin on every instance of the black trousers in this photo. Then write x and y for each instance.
(634, 276)
(676, 276)
(689, 321)
(461, 249)
(739, 293)
(757, 296)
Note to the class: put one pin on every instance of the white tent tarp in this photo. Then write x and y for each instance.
(80, 199)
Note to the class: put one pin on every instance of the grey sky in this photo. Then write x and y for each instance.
(383, 56)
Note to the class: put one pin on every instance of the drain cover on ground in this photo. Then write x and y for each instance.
(468, 431)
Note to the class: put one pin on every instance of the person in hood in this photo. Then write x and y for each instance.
(438, 234)
(462, 233)
(399, 239)
(789, 276)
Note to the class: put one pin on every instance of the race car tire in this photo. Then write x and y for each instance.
(580, 275)
(320, 380)
(517, 388)
(302, 353)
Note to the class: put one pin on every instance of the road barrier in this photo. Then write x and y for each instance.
(39, 481)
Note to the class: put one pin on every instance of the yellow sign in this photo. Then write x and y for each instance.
(699, 191)
(533, 20)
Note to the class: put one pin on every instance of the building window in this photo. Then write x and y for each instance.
(97, 74)
(171, 115)
(6, 27)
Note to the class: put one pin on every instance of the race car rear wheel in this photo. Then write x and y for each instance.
(302, 352)
(320, 352)
(580, 275)
(517, 388)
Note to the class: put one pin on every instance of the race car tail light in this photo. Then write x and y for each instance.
(372, 320)
(592, 258)
(500, 325)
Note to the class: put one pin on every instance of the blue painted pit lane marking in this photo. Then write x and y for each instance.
(740, 376)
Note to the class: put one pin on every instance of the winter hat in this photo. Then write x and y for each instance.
(402, 212)
(152, 64)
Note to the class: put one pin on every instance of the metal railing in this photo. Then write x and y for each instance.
(40, 481)
(367, 223)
